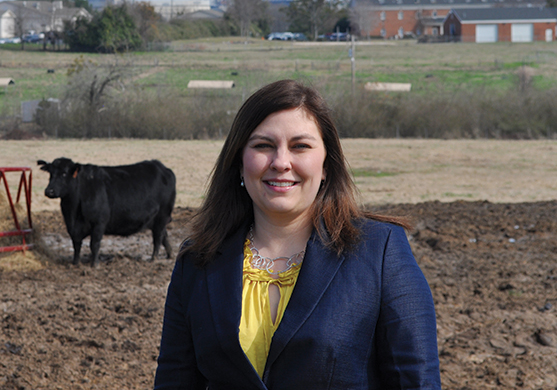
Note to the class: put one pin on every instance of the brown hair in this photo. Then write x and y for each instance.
(227, 205)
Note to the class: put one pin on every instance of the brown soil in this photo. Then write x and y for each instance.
(492, 269)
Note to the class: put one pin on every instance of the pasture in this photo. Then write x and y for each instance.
(430, 68)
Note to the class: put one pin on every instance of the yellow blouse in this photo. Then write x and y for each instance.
(256, 325)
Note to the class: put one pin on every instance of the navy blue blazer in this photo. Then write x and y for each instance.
(364, 320)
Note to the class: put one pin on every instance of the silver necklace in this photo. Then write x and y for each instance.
(267, 264)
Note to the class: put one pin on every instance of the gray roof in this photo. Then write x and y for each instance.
(415, 4)
(204, 14)
(483, 14)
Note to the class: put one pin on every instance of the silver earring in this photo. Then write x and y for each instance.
(242, 183)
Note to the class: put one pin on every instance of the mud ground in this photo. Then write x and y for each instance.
(492, 269)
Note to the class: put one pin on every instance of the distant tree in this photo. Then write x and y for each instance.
(551, 3)
(364, 17)
(78, 4)
(343, 24)
(111, 31)
(91, 86)
(250, 15)
(22, 14)
(146, 20)
(314, 16)
(83, 4)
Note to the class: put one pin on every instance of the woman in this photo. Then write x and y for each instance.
(284, 282)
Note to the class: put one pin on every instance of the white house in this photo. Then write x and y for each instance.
(170, 9)
(38, 16)
(7, 24)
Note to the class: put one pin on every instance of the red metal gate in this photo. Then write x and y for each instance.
(25, 185)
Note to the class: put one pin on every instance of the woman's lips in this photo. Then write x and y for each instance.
(280, 183)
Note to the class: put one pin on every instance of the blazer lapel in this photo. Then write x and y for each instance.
(224, 284)
(318, 270)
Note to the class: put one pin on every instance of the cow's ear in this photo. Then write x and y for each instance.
(45, 165)
(76, 168)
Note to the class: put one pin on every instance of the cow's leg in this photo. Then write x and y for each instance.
(157, 239)
(166, 244)
(96, 237)
(76, 250)
(160, 236)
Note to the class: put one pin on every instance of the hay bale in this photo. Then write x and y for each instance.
(7, 220)
(34, 259)
(19, 261)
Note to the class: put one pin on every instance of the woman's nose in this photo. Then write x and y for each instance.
(281, 160)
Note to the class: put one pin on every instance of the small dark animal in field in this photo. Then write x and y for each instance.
(120, 200)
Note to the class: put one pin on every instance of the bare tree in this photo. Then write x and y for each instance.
(365, 16)
(22, 14)
(314, 16)
(246, 12)
(91, 88)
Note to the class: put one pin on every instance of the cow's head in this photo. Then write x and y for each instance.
(63, 174)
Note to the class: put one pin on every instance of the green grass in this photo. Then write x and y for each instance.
(453, 195)
(369, 172)
(430, 68)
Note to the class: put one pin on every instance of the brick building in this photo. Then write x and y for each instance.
(397, 18)
(502, 24)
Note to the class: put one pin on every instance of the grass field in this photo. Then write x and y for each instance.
(385, 171)
(430, 68)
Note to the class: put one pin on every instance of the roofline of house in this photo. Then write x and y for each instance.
(513, 21)
(406, 7)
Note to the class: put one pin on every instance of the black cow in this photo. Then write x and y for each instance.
(119, 200)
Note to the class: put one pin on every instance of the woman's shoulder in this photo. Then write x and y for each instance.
(370, 226)
(379, 234)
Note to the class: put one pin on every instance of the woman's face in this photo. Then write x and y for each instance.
(282, 164)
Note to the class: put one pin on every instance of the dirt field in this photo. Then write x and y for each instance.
(485, 236)
(387, 171)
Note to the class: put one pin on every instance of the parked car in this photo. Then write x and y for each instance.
(10, 40)
(341, 36)
(280, 36)
(33, 38)
(300, 37)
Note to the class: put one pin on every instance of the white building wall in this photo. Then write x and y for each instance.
(171, 9)
(6, 25)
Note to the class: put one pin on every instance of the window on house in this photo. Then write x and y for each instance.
(401, 32)
(383, 32)
(400, 15)
(434, 13)
(382, 15)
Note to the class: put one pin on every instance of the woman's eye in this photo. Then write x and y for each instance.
(262, 146)
(302, 146)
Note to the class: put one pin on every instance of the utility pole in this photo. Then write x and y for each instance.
(353, 62)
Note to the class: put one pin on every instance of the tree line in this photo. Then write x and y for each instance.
(133, 26)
